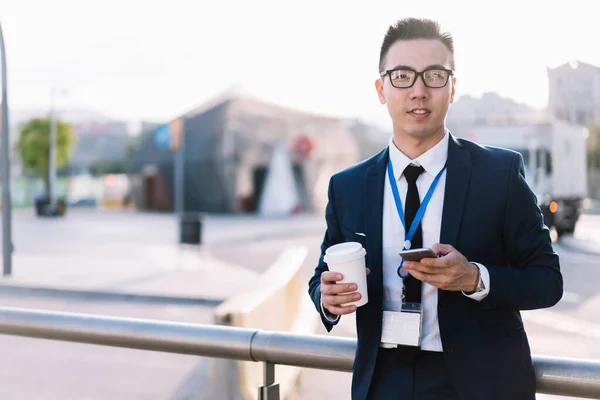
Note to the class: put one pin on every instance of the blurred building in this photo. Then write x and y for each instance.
(98, 151)
(468, 111)
(229, 144)
(371, 139)
(574, 92)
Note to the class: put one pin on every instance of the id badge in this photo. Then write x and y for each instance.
(403, 327)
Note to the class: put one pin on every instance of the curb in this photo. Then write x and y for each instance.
(282, 234)
(95, 295)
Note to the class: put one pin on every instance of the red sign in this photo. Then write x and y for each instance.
(303, 146)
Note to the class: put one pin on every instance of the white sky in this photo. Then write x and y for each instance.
(156, 59)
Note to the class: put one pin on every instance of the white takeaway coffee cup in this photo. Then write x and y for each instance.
(349, 259)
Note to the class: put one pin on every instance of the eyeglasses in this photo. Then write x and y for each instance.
(404, 77)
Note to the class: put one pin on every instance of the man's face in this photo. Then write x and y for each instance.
(418, 111)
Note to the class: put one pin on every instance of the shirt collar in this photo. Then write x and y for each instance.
(432, 161)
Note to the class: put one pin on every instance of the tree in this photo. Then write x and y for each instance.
(34, 147)
(133, 145)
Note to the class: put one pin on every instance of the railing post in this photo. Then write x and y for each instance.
(270, 389)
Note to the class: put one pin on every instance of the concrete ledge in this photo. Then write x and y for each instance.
(277, 302)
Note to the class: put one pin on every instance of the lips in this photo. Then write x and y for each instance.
(419, 113)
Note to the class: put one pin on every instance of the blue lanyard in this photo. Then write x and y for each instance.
(415, 223)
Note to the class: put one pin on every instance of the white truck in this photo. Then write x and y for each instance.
(555, 159)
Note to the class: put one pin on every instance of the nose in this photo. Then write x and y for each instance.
(419, 90)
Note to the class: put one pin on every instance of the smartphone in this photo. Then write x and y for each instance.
(418, 254)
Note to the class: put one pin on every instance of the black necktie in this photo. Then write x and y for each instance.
(411, 173)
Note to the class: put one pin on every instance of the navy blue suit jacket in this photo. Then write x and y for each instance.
(491, 216)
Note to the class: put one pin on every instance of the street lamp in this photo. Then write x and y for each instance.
(6, 200)
(52, 156)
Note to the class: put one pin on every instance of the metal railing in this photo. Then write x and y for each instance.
(558, 376)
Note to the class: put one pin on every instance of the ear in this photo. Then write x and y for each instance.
(453, 90)
(379, 88)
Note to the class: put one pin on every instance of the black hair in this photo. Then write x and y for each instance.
(414, 28)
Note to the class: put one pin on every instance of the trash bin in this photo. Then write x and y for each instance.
(190, 228)
(41, 205)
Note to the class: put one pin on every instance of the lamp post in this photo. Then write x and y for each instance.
(52, 155)
(6, 200)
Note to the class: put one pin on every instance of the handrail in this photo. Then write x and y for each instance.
(558, 376)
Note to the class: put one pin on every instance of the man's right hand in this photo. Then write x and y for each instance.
(331, 296)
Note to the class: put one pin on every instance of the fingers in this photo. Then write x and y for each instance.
(431, 265)
(445, 261)
(442, 249)
(334, 294)
(436, 280)
(339, 299)
(439, 281)
(421, 267)
(337, 288)
(330, 277)
(333, 303)
(336, 310)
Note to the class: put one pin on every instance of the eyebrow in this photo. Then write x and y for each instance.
(409, 67)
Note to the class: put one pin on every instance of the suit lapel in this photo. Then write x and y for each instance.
(458, 176)
(373, 213)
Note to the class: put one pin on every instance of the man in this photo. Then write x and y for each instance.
(480, 217)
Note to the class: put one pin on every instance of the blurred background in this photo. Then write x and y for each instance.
(238, 113)
(247, 76)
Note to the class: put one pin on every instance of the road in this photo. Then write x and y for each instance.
(570, 329)
(44, 369)
(53, 370)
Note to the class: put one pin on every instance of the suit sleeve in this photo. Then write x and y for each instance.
(532, 279)
(332, 236)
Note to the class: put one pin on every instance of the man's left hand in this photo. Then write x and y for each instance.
(451, 271)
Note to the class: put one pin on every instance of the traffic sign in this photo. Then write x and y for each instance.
(303, 146)
(162, 136)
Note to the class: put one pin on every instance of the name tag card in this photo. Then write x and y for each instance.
(403, 327)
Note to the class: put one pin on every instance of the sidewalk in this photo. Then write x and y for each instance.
(585, 239)
(158, 273)
(125, 254)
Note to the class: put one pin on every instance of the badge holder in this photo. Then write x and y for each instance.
(403, 328)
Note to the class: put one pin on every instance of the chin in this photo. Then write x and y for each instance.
(421, 132)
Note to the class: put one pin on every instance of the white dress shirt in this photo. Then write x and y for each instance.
(432, 162)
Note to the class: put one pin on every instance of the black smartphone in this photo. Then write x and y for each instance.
(418, 254)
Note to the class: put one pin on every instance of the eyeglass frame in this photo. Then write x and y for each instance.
(450, 73)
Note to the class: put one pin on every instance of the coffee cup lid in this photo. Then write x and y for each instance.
(343, 252)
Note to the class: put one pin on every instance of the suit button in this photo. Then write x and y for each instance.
(448, 350)
(440, 304)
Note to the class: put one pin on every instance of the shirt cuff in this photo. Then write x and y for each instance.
(329, 316)
(485, 277)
